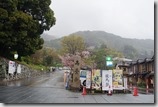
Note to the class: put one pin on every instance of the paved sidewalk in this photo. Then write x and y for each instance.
(55, 96)
(73, 97)
(143, 91)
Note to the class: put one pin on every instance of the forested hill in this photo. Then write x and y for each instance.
(143, 47)
(47, 37)
(96, 38)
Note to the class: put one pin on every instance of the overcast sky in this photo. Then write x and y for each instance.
(126, 18)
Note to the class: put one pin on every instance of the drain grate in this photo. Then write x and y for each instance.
(72, 97)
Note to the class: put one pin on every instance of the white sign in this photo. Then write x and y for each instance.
(125, 83)
(88, 79)
(19, 69)
(106, 79)
(83, 75)
(11, 67)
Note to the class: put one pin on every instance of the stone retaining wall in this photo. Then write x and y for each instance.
(26, 72)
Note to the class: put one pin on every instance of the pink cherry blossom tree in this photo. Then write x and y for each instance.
(86, 59)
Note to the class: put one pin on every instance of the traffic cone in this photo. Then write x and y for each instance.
(109, 92)
(135, 91)
(84, 91)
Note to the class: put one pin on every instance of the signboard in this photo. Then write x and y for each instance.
(96, 79)
(11, 68)
(83, 74)
(106, 79)
(125, 83)
(109, 63)
(117, 79)
(108, 58)
(88, 79)
(19, 69)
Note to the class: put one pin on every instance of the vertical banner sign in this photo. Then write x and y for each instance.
(125, 83)
(117, 79)
(88, 79)
(96, 79)
(106, 79)
(19, 69)
(11, 67)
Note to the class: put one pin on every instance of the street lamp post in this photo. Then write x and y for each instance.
(15, 57)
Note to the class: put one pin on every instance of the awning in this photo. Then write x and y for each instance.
(143, 74)
(135, 74)
(150, 74)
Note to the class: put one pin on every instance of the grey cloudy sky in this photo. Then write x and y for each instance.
(126, 18)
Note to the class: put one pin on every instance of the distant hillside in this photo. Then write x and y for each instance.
(145, 47)
(47, 37)
(96, 38)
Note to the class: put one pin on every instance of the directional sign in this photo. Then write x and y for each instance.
(109, 61)
(108, 58)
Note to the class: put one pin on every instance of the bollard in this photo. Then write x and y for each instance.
(135, 91)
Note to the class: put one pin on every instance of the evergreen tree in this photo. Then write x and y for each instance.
(21, 24)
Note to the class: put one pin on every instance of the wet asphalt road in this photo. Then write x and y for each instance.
(49, 88)
(32, 90)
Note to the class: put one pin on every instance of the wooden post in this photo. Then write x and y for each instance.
(147, 86)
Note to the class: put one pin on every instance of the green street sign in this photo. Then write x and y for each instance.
(109, 61)
(108, 58)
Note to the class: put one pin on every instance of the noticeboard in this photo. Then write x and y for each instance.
(117, 79)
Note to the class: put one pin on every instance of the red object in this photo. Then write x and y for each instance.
(84, 91)
(109, 92)
(135, 91)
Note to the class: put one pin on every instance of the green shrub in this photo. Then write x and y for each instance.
(142, 84)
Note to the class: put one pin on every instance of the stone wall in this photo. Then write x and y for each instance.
(26, 72)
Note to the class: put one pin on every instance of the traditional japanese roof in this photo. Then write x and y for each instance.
(150, 74)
